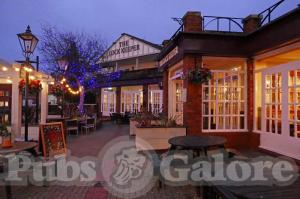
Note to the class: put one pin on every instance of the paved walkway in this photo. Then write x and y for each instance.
(91, 145)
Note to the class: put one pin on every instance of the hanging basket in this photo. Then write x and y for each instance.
(200, 75)
(34, 86)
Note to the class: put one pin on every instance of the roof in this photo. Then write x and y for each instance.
(4, 62)
(142, 40)
(157, 46)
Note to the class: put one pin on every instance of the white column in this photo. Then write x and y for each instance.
(44, 102)
(16, 108)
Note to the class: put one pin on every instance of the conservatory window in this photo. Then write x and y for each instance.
(224, 104)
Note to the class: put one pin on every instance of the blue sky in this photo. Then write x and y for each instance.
(147, 19)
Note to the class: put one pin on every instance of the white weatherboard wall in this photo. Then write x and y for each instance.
(119, 50)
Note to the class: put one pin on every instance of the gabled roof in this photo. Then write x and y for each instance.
(159, 47)
(152, 45)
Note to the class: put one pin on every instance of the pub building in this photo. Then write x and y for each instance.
(253, 96)
(134, 81)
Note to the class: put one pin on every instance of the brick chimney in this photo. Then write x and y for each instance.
(192, 22)
(252, 23)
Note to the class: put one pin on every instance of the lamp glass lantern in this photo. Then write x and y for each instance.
(62, 64)
(28, 42)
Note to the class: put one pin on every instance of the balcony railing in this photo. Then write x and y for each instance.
(267, 13)
(229, 24)
(223, 24)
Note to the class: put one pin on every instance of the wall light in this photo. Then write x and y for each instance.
(4, 68)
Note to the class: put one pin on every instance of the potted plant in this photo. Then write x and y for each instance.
(6, 136)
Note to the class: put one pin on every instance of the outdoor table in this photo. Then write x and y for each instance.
(197, 143)
(16, 148)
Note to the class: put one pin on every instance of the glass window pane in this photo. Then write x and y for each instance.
(292, 112)
(298, 112)
(220, 122)
(206, 93)
(227, 108)
(205, 123)
(298, 77)
(205, 108)
(242, 80)
(242, 108)
(227, 123)
(291, 78)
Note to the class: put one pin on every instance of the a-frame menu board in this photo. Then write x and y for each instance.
(52, 139)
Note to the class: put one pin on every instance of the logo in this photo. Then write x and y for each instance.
(128, 171)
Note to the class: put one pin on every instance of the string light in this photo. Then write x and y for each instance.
(74, 92)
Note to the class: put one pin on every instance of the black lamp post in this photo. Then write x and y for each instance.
(63, 66)
(28, 43)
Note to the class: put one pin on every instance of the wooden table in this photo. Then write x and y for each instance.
(16, 148)
(197, 143)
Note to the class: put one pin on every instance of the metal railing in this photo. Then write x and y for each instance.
(224, 24)
(180, 29)
(267, 13)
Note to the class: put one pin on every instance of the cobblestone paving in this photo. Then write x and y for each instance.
(90, 145)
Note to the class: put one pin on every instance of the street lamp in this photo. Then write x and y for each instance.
(28, 43)
(63, 66)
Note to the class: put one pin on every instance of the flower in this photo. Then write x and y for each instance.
(34, 86)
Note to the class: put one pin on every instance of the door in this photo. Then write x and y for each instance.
(132, 101)
(281, 109)
(155, 101)
(177, 110)
(108, 103)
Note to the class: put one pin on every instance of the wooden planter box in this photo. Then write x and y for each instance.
(157, 137)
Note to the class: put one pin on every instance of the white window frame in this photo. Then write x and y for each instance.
(209, 115)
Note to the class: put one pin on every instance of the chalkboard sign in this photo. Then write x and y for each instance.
(52, 139)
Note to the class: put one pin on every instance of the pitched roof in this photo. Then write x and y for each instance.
(159, 47)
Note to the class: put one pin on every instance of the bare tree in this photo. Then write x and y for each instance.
(82, 52)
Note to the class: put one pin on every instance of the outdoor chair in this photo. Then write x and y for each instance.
(72, 126)
(89, 124)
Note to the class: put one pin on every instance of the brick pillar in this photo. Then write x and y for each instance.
(98, 102)
(192, 22)
(145, 97)
(252, 23)
(250, 93)
(192, 108)
(165, 92)
(118, 100)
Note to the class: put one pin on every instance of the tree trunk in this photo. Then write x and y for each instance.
(81, 101)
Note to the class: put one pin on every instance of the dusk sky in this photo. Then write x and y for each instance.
(147, 19)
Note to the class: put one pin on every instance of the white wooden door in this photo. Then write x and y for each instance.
(281, 109)
(108, 103)
(132, 101)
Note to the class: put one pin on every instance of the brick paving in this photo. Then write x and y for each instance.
(91, 145)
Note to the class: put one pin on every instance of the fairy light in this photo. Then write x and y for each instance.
(73, 92)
